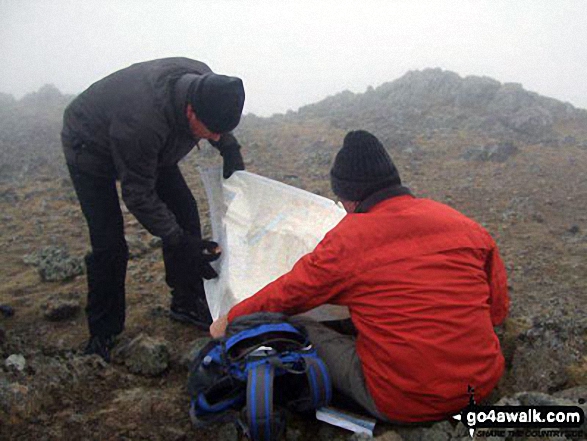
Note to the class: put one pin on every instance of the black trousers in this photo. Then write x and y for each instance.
(106, 264)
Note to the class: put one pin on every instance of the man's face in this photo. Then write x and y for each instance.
(199, 130)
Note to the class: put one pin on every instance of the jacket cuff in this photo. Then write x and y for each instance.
(173, 238)
(237, 310)
(226, 143)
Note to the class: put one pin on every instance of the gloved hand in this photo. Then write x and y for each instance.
(233, 160)
(230, 150)
(187, 259)
(210, 252)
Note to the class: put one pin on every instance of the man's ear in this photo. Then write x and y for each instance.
(189, 112)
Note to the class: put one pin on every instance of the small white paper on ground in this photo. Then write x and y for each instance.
(263, 227)
(346, 420)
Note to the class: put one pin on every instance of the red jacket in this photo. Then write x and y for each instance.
(424, 285)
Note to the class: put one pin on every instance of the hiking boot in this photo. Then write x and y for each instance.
(188, 307)
(199, 317)
(100, 345)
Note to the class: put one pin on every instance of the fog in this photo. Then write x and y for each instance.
(292, 53)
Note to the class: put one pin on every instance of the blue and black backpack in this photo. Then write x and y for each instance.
(264, 365)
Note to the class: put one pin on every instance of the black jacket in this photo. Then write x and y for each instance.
(130, 124)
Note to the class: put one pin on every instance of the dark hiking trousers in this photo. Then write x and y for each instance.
(106, 264)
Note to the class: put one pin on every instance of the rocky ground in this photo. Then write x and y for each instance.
(530, 194)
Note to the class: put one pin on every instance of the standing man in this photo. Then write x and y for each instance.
(424, 286)
(135, 125)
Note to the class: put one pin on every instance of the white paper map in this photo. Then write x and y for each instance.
(263, 227)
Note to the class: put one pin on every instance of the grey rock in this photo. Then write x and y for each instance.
(77, 418)
(16, 362)
(360, 437)
(159, 311)
(144, 355)
(544, 352)
(53, 373)
(61, 307)
(227, 432)
(326, 432)
(476, 92)
(55, 264)
(9, 195)
(136, 247)
(82, 367)
(539, 399)
(6, 310)
(499, 152)
(576, 394)
(13, 397)
(389, 435)
(155, 242)
(293, 434)
(508, 401)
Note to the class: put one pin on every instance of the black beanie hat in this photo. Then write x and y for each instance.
(218, 101)
(362, 167)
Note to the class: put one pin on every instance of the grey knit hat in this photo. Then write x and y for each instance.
(362, 167)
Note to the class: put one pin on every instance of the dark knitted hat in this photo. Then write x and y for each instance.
(362, 167)
(218, 101)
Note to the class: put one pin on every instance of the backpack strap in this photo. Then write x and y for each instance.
(263, 423)
(319, 381)
(318, 385)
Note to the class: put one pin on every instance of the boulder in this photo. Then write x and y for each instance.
(6, 310)
(55, 264)
(144, 355)
(13, 397)
(544, 353)
(61, 307)
(15, 362)
(136, 246)
(155, 242)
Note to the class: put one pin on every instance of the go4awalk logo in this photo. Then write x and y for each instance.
(519, 417)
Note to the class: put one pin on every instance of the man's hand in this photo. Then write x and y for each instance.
(230, 150)
(218, 328)
(187, 259)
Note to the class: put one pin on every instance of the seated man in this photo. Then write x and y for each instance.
(424, 286)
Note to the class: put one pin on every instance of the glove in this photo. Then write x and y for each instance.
(210, 252)
(187, 259)
(230, 150)
(233, 160)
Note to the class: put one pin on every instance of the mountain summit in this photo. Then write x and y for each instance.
(433, 101)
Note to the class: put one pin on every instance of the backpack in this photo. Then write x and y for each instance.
(264, 363)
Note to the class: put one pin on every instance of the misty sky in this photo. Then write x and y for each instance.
(291, 53)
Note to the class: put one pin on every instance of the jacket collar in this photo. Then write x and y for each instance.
(379, 196)
(180, 99)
